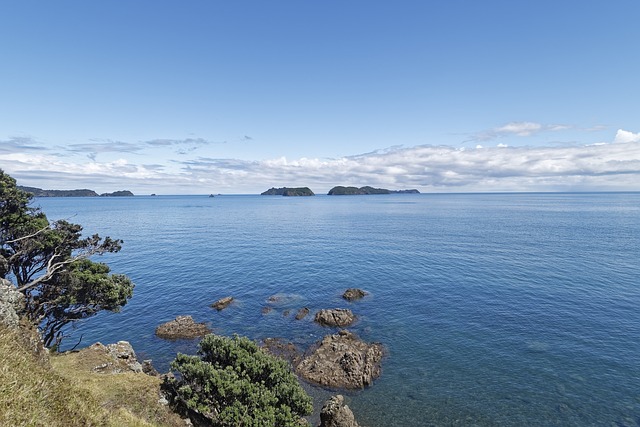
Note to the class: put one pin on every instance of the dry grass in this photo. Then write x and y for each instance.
(65, 392)
(136, 394)
(32, 394)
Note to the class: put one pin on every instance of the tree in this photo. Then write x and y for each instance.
(48, 263)
(233, 382)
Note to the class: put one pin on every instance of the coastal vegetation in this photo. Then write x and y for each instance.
(233, 382)
(48, 262)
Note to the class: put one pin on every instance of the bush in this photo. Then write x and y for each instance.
(233, 382)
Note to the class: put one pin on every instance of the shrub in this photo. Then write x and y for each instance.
(233, 382)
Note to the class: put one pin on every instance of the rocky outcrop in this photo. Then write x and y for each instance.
(302, 313)
(339, 317)
(116, 358)
(342, 360)
(11, 304)
(222, 303)
(182, 327)
(353, 294)
(283, 349)
(335, 413)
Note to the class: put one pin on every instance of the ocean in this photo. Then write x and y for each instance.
(494, 309)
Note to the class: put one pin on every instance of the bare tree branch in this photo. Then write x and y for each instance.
(28, 236)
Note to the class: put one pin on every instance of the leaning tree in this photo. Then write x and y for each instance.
(49, 263)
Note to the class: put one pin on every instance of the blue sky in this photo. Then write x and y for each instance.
(238, 96)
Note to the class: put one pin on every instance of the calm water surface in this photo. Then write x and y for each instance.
(495, 309)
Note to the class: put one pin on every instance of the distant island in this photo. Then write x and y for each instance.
(39, 192)
(122, 193)
(354, 191)
(284, 191)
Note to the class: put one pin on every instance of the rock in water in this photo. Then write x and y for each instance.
(335, 413)
(182, 327)
(344, 361)
(302, 313)
(222, 303)
(352, 294)
(340, 317)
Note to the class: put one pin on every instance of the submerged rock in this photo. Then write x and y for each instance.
(283, 349)
(340, 317)
(335, 413)
(302, 313)
(344, 361)
(222, 303)
(353, 294)
(182, 327)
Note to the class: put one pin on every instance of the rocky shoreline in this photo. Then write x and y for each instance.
(339, 361)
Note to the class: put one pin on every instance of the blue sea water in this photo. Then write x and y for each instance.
(495, 309)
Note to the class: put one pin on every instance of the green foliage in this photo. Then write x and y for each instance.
(79, 292)
(232, 382)
(48, 263)
(352, 191)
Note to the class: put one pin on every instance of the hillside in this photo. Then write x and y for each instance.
(355, 191)
(39, 192)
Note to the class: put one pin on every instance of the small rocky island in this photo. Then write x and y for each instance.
(122, 193)
(286, 191)
(39, 192)
(355, 191)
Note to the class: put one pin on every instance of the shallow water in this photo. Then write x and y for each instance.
(495, 309)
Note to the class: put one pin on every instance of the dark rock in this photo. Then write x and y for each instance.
(342, 360)
(353, 294)
(302, 313)
(222, 303)
(335, 413)
(182, 327)
(340, 317)
(286, 350)
(149, 369)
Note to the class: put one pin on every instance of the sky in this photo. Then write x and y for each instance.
(233, 97)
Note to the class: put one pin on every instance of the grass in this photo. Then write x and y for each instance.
(62, 390)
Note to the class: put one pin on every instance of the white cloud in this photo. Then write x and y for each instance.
(624, 136)
(608, 166)
(520, 129)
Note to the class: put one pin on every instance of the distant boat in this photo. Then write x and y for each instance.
(211, 195)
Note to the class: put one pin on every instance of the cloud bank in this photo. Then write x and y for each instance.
(611, 166)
